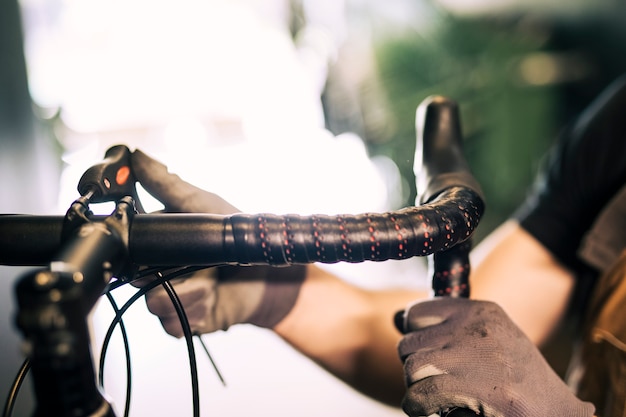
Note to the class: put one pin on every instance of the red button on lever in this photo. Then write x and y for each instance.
(122, 175)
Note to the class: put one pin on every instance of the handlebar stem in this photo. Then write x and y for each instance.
(54, 305)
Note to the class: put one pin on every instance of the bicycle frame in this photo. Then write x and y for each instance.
(82, 253)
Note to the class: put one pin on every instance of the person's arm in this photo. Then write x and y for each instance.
(513, 269)
(347, 330)
(527, 266)
(350, 332)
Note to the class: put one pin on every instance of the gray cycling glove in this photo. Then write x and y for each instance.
(469, 354)
(217, 298)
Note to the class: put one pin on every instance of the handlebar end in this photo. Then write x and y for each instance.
(439, 160)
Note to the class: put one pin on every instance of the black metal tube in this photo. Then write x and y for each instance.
(54, 304)
(265, 239)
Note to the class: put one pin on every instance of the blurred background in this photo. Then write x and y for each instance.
(280, 106)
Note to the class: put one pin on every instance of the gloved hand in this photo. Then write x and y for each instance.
(215, 298)
(468, 354)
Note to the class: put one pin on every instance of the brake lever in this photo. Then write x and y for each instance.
(110, 180)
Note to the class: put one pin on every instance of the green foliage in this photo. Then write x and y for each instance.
(507, 123)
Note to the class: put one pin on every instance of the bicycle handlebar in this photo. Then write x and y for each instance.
(264, 239)
(449, 208)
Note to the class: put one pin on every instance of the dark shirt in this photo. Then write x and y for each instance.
(582, 173)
